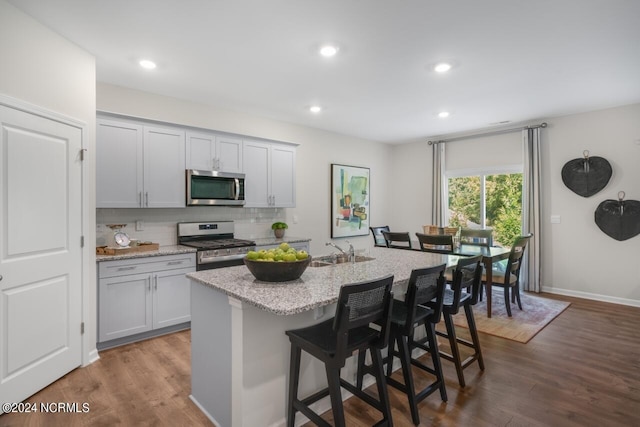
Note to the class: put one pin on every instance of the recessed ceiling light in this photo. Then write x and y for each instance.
(328, 50)
(149, 65)
(442, 67)
(315, 109)
(443, 114)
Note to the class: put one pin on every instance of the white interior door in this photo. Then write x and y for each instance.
(40, 252)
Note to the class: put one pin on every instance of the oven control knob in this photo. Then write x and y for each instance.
(228, 251)
(215, 253)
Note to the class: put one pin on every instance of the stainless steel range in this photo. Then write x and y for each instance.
(216, 245)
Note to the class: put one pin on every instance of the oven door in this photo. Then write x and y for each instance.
(207, 188)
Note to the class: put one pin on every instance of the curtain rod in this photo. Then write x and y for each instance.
(497, 132)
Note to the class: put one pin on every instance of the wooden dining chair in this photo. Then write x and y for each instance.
(477, 236)
(378, 238)
(451, 231)
(509, 280)
(431, 229)
(397, 240)
(436, 243)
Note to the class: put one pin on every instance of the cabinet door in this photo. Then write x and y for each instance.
(118, 164)
(171, 298)
(124, 306)
(283, 176)
(164, 168)
(229, 154)
(200, 154)
(256, 160)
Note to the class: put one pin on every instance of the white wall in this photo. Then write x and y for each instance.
(578, 259)
(42, 68)
(317, 150)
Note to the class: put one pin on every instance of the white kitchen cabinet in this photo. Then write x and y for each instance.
(139, 165)
(143, 295)
(270, 170)
(207, 151)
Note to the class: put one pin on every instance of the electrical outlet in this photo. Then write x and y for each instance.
(139, 226)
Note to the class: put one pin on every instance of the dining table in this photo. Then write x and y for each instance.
(490, 255)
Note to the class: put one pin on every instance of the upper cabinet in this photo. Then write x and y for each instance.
(270, 170)
(139, 166)
(212, 152)
(142, 165)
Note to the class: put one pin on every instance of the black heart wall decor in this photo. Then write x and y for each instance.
(619, 219)
(586, 176)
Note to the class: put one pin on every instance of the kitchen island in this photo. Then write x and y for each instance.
(239, 350)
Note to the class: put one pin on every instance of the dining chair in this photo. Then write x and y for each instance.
(452, 231)
(422, 305)
(431, 229)
(510, 278)
(335, 340)
(378, 238)
(398, 240)
(477, 236)
(436, 243)
(462, 292)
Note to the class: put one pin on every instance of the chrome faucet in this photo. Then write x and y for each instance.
(351, 255)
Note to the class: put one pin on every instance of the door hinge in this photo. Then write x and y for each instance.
(82, 151)
(82, 241)
(82, 328)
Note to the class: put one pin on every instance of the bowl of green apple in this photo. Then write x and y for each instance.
(281, 264)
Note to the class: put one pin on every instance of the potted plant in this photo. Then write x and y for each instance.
(278, 229)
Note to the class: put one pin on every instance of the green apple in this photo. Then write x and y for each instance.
(289, 257)
(302, 255)
(252, 255)
(284, 246)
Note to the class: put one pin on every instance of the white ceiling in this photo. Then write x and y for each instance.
(514, 60)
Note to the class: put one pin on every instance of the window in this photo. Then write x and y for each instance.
(486, 199)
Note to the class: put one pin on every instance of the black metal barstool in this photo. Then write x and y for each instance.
(333, 341)
(422, 306)
(463, 292)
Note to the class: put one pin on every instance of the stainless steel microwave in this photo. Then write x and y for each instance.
(209, 188)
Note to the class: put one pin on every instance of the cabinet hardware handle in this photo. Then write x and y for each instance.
(174, 262)
(0, 276)
(213, 163)
(133, 267)
(155, 280)
(140, 199)
(149, 283)
(146, 195)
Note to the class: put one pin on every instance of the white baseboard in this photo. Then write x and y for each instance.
(591, 296)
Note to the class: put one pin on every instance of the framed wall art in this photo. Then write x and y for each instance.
(350, 204)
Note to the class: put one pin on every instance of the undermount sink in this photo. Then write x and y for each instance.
(332, 260)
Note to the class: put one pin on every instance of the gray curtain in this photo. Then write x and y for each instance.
(437, 205)
(530, 274)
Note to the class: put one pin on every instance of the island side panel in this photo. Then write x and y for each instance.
(211, 352)
(265, 360)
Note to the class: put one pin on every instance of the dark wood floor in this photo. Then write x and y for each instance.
(581, 370)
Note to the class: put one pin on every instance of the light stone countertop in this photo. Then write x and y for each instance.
(163, 250)
(263, 241)
(318, 286)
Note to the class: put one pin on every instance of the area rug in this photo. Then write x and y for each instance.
(537, 312)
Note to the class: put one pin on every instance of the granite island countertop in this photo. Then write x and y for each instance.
(162, 250)
(318, 286)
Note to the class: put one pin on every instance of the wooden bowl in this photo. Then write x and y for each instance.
(277, 271)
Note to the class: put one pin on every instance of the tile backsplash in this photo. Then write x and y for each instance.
(159, 225)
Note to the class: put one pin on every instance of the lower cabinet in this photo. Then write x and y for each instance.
(143, 295)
